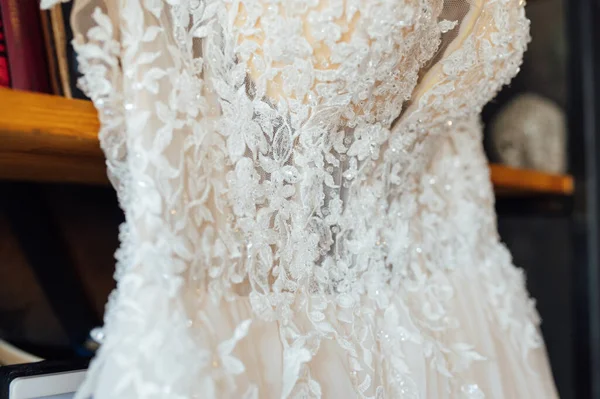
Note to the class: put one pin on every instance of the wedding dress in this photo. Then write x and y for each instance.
(308, 207)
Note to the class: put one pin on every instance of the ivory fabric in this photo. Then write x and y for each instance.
(308, 207)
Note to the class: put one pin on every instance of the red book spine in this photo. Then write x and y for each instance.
(4, 74)
(25, 45)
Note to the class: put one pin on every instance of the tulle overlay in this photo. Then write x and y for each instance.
(500, 371)
(308, 208)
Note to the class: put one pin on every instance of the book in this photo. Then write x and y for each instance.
(62, 59)
(4, 73)
(53, 69)
(25, 51)
(73, 65)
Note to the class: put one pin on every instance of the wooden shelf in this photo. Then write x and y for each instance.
(511, 181)
(49, 138)
(54, 139)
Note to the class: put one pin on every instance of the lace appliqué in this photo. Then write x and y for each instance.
(284, 154)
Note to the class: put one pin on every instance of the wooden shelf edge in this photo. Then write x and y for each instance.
(55, 139)
(44, 124)
(52, 169)
(513, 181)
(49, 138)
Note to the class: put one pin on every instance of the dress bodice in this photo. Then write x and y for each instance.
(319, 159)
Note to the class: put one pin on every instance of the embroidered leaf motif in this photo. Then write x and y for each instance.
(296, 165)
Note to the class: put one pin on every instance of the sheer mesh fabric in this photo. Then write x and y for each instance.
(308, 208)
(452, 15)
(453, 10)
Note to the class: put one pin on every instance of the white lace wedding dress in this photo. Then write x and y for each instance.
(308, 208)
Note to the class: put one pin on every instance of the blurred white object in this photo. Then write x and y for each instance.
(530, 132)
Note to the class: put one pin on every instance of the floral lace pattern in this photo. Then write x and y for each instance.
(303, 157)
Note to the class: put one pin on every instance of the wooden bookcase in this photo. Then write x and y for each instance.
(54, 139)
